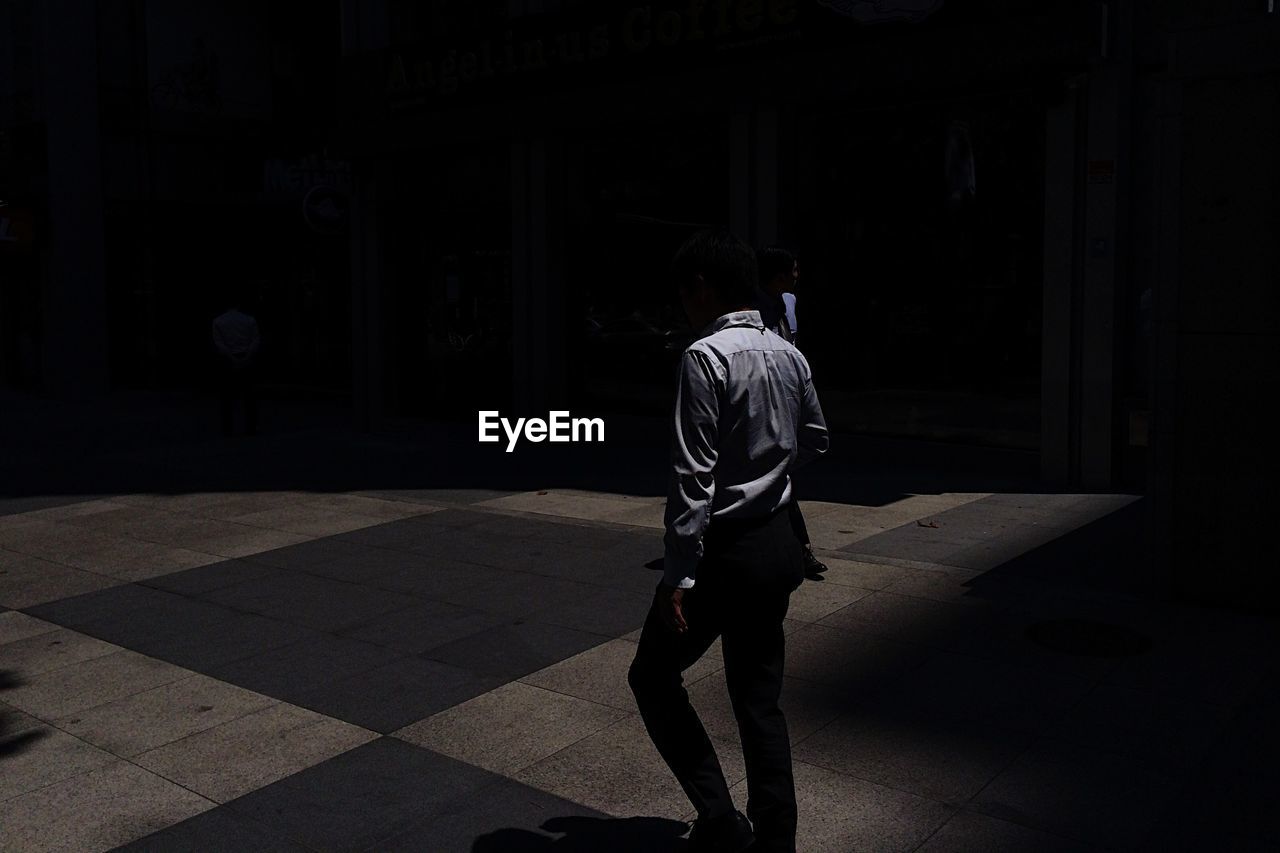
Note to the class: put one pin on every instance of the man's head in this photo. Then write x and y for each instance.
(715, 272)
(778, 270)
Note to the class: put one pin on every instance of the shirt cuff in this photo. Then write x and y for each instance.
(679, 571)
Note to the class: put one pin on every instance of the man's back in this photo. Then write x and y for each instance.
(747, 415)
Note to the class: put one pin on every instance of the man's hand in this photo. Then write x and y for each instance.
(670, 600)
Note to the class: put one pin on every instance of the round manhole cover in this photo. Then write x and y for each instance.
(1087, 638)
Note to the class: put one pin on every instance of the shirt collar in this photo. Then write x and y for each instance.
(733, 319)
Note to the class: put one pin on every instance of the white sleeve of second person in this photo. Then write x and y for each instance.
(693, 458)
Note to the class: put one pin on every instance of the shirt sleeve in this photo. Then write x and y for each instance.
(694, 438)
(812, 439)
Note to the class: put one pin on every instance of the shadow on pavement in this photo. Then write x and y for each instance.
(13, 744)
(589, 835)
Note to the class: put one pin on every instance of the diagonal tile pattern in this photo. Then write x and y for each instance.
(445, 670)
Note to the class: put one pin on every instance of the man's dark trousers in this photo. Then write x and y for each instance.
(744, 583)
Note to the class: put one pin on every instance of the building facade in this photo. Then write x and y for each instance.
(1048, 227)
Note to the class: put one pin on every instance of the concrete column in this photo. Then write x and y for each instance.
(74, 303)
(753, 175)
(1098, 297)
(1165, 271)
(1058, 434)
(539, 345)
(368, 399)
(765, 185)
(740, 177)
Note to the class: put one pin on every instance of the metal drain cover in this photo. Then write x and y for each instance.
(1086, 638)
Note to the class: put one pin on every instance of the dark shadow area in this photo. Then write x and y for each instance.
(1047, 681)
(589, 835)
(12, 744)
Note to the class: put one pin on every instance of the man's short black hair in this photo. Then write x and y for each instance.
(725, 262)
(775, 260)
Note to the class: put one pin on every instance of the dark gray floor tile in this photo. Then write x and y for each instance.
(192, 633)
(600, 611)
(305, 556)
(513, 818)
(430, 577)
(92, 606)
(409, 533)
(299, 668)
(968, 831)
(603, 569)
(357, 799)
(204, 579)
(517, 649)
(363, 564)
(202, 646)
(391, 697)
(1080, 793)
(421, 627)
(220, 830)
(13, 506)
(492, 550)
(322, 604)
(513, 594)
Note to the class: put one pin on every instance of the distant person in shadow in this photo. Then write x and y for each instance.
(779, 275)
(237, 341)
(746, 414)
(588, 835)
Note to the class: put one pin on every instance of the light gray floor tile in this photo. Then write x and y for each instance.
(849, 661)
(814, 600)
(618, 771)
(16, 626)
(96, 811)
(27, 581)
(600, 674)
(131, 559)
(510, 728)
(45, 652)
(386, 510)
(838, 814)
(307, 520)
(13, 721)
(255, 750)
(147, 720)
(64, 691)
(42, 756)
(807, 707)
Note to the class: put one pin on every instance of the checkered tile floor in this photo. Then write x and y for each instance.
(295, 671)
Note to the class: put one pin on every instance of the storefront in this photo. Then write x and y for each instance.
(903, 151)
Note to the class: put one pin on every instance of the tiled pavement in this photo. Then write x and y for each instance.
(445, 670)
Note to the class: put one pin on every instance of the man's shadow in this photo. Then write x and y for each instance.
(589, 835)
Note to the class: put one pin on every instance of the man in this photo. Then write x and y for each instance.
(746, 414)
(779, 274)
(237, 340)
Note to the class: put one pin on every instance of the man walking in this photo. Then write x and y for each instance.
(746, 414)
(779, 272)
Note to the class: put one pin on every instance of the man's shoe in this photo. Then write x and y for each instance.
(729, 833)
(813, 567)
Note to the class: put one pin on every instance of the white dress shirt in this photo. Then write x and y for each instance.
(746, 414)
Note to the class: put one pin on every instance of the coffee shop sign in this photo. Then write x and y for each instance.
(297, 176)
(640, 29)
